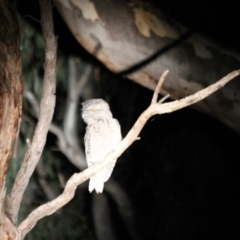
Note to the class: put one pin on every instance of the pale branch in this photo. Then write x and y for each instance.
(47, 106)
(68, 143)
(78, 178)
(33, 101)
(164, 98)
(159, 85)
(77, 158)
(75, 86)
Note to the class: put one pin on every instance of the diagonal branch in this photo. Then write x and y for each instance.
(78, 178)
(47, 106)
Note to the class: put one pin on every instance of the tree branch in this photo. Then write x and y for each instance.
(47, 106)
(159, 85)
(75, 156)
(75, 87)
(78, 178)
(68, 144)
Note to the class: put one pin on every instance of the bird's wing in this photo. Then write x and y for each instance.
(100, 139)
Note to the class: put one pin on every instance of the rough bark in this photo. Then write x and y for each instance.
(124, 34)
(46, 111)
(11, 90)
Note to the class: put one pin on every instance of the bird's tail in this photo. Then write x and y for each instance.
(97, 183)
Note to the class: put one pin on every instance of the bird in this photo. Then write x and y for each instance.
(103, 134)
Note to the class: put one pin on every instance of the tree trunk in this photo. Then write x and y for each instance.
(123, 34)
(11, 90)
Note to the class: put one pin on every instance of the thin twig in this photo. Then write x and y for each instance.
(163, 98)
(47, 106)
(159, 85)
(79, 178)
(33, 101)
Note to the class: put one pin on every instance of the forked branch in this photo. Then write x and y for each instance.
(78, 178)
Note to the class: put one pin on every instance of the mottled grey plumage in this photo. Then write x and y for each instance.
(103, 133)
